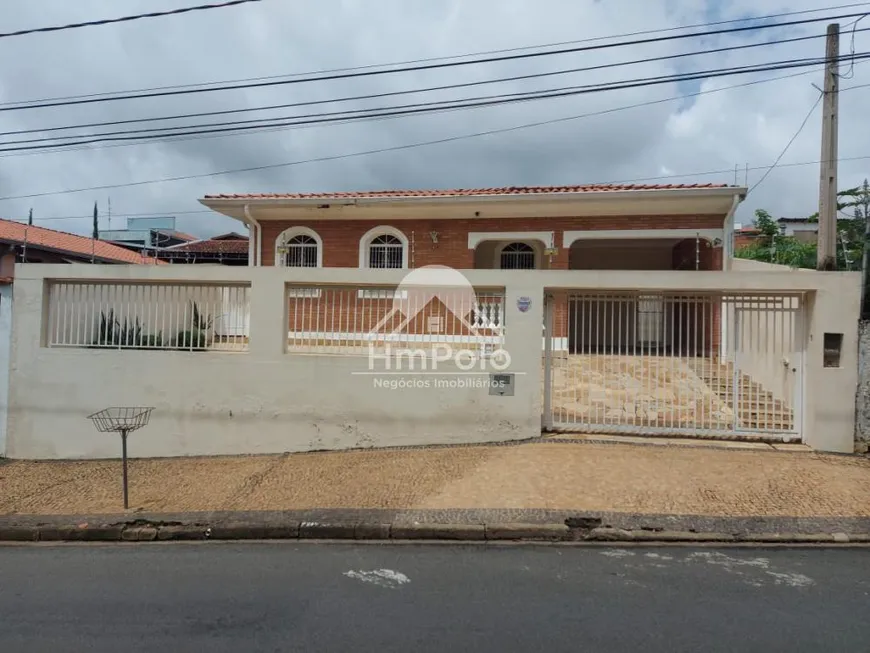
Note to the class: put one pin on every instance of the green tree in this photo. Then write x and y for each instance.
(771, 246)
(96, 223)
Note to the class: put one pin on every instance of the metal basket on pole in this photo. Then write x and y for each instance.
(123, 420)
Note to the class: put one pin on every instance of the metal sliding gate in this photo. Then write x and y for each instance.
(708, 365)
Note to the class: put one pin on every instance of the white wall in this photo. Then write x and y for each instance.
(260, 401)
(159, 309)
(5, 353)
(265, 400)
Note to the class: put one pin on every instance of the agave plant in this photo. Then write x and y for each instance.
(199, 321)
(109, 326)
(131, 334)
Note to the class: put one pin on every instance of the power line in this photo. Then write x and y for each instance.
(851, 73)
(160, 214)
(789, 144)
(392, 93)
(465, 103)
(170, 139)
(419, 68)
(124, 19)
(449, 57)
(395, 148)
(178, 139)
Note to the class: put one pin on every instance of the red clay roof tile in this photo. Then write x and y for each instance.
(463, 192)
(213, 246)
(18, 232)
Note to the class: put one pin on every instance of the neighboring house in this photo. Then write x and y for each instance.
(744, 236)
(21, 243)
(593, 227)
(800, 228)
(142, 233)
(226, 249)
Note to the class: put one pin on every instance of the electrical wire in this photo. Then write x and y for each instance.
(789, 144)
(419, 68)
(169, 139)
(851, 73)
(469, 103)
(395, 148)
(449, 57)
(124, 19)
(392, 93)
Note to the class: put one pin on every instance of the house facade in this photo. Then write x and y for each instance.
(570, 227)
(639, 228)
(147, 233)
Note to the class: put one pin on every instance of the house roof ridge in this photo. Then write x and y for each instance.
(469, 192)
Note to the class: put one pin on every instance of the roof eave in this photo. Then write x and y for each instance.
(65, 252)
(726, 191)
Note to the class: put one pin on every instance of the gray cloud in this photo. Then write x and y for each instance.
(711, 132)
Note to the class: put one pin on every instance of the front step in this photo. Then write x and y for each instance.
(756, 408)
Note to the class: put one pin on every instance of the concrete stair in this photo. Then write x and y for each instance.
(756, 408)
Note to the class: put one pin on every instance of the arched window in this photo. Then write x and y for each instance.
(383, 247)
(386, 252)
(517, 256)
(299, 247)
(301, 252)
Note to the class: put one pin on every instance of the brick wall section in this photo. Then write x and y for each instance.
(345, 311)
(745, 238)
(341, 237)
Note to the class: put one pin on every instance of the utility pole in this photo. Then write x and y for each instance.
(827, 247)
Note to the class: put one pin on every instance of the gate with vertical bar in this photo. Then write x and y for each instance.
(708, 365)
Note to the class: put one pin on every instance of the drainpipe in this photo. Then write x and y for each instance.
(728, 241)
(726, 311)
(255, 250)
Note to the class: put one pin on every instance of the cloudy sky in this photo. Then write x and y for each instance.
(709, 132)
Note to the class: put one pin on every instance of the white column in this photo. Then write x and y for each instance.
(5, 360)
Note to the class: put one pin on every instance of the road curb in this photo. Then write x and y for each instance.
(148, 531)
(456, 532)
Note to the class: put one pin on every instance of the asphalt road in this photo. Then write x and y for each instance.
(217, 597)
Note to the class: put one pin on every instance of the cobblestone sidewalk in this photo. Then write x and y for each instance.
(581, 476)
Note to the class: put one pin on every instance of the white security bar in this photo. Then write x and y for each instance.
(186, 317)
(356, 320)
(712, 364)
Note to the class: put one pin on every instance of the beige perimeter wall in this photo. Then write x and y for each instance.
(265, 400)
